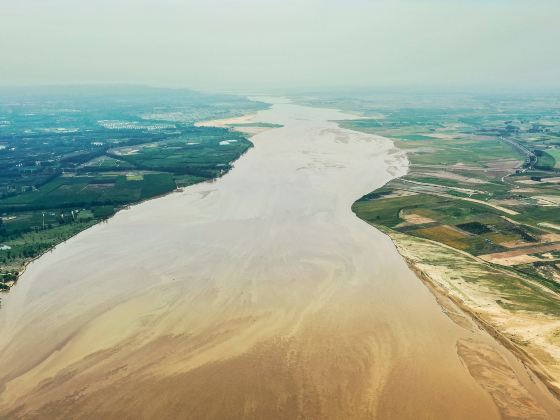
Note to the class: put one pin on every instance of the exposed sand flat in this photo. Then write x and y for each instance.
(236, 122)
(259, 295)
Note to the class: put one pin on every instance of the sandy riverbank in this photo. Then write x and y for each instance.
(247, 124)
(259, 295)
(529, 335)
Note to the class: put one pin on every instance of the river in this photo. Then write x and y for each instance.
(258, 295)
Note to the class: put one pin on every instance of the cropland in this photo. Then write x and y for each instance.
(477, 215)
(260, 295)
(72, 157)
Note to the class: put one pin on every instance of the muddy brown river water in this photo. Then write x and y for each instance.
(260, 295)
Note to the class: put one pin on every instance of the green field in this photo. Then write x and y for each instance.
(463, 225)
(545, 161)
(202, 152)
(71, 158)
(555, 153)
(458, 154)
(433, 151)
(85, 191)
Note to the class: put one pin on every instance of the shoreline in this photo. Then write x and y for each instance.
(4, 292)
(124, 208)
(525, 358)
(24, 266)
(439, 290)
(237, 270)
(528, 360)
(203, 287)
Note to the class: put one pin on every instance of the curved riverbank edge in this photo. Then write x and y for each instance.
(441, 291)
(441, 285)
(382, 330)
(249, 132)
(543, 361)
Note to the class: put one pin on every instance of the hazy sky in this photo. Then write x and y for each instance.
(245, 44)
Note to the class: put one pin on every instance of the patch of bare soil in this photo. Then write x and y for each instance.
(415, 219)
(502, 257)
(531, 335)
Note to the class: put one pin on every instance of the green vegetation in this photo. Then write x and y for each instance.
(509, 290)
(555, 153)
(72, 157)
(545, 161)
(198, 151)
(483, 176)
(90, 190)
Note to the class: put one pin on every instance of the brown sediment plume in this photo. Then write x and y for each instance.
(259, 295)
(519, 352)
(447, 299)
(495, 375)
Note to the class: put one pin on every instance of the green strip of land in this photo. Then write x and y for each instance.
(72, 157)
